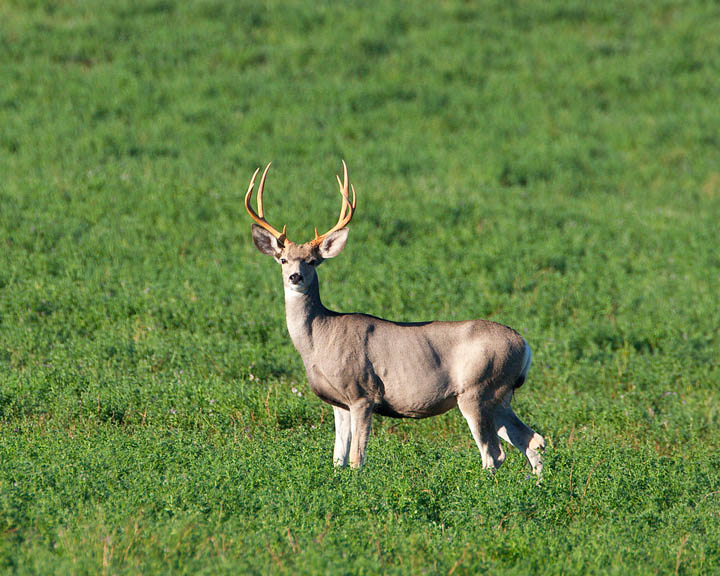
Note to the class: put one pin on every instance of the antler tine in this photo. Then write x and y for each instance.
(346, 195)
(347, 209)
(259, 216)
(346, 205)
(261, 188)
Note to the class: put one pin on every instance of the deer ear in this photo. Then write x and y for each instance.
(333, 243)
(266, 242)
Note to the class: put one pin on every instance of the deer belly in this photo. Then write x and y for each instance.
(417, 398)
(398, 393)
(420, 410)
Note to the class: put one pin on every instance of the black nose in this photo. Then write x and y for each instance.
(296, 278)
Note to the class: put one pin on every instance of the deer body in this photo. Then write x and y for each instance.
(362, 365)
(408, 370)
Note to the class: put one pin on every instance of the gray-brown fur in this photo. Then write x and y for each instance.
(363, 365)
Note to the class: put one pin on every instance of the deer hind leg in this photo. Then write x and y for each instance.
(343, 436)
(360, 422)
(482, 425)
(513, 430)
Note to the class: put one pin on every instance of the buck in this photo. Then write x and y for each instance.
(362, 365)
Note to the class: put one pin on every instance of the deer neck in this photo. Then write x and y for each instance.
(302, 310)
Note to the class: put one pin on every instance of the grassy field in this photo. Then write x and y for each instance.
(554, 166)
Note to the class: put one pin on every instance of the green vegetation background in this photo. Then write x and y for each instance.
(554, 166)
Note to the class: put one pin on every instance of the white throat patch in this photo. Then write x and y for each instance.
(290, 293)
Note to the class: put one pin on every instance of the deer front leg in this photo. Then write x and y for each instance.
(361, 422)
(482, 425)
(343, 436)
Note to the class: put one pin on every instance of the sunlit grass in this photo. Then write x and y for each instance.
(552, 166)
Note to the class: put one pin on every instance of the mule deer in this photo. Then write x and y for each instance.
(362, 365)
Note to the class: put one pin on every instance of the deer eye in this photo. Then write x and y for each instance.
(283, 261)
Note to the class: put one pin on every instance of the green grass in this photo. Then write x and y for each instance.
(554, 166)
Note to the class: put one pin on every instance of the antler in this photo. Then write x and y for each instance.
(347, 210)
(259, 216)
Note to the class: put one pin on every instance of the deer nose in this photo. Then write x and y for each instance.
(296, 278)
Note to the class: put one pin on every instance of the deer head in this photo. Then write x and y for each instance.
(299, 261)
